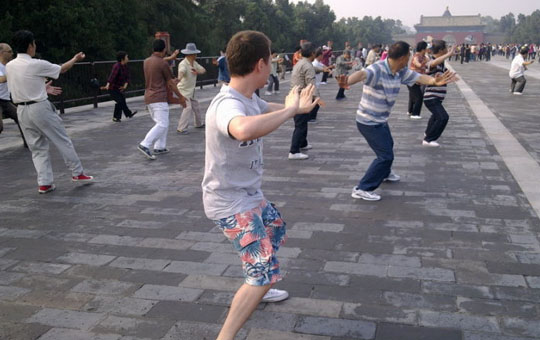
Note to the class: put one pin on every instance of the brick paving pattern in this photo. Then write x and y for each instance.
(451, 252)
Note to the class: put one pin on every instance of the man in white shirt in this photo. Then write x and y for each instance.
(26, 81)
(7, 109)
(517, 72)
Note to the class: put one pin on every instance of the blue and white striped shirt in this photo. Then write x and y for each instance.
(380, 91)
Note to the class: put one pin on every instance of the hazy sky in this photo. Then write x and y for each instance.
(405, 11)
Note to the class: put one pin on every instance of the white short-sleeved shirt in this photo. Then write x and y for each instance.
(4, 92)
(517, 69)
(233, 169)
(26, 78)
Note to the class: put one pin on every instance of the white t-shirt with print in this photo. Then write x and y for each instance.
(233, 169)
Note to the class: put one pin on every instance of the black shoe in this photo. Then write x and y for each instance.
(160, 151)
(133, 114)
(116, 120)
(146, 152)
(200, 126)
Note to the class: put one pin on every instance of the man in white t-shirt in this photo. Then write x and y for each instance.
(41, 125)
(517, 72)
(236, 121)
(7, 109)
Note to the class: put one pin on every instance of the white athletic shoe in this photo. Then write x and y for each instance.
(365, 195)
(298, 156)
(267, 93)
(392, 177)
(275, 295)
(432, 144)
(517, 94)
(415, 117)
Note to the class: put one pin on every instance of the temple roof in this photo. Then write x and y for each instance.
(450, 21)
(447, 13)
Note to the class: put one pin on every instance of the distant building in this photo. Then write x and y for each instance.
(460, 29)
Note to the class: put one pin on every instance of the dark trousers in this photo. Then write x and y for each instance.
(437, 122)
(518, 84)
(416, 98)
(313, 113)
(9, 110)
(324, 77)
(340, 93)
(381, 142)
(120, 105)
(299, 137)
(273, 81)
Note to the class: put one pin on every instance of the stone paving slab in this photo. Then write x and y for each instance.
(451, 252)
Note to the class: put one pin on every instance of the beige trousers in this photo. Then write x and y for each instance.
(192, 107)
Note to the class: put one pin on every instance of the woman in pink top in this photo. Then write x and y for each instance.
(416, 92)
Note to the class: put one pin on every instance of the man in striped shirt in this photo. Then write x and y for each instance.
(382, 81)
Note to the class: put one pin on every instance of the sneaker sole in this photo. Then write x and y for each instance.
(147, 156)
(47, 191)
(82, 180)
(276, 299)
(365, 198)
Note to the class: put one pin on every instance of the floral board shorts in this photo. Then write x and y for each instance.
(256, 235)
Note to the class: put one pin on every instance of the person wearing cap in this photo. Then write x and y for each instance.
(39, 122)
(188, 70)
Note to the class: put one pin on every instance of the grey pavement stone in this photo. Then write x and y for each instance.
(119, 306)
(140, 263)
(459, 321)
(379, 313)
(155, 292)
(389, 331)
(200, 312)
(22, 233)
(424, 273)
(150, 328)
(303, 306)
(391, 260)
(531, 258)
(266, 334)
(56, 299)
(7, 278)
(162, 243)
(40, 268)
(46, 282)
(356, 268)
(317, 278)
(421, 301)
(497, 308)
(452, 289)
(8, 293)
(212, 282)
(117, 240)
(467, 335)
(201, 236)
(533, 281)
(5, 250)
(521, 327)
(189, 330)
(103, 287)
(21, 331)
(224, 258)
(186, 267)
(71, 334)
(66, 318)
(312, 226)
(89, 259)
(336, 327)
(272, 320)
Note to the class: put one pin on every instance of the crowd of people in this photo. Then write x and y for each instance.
(238, 119)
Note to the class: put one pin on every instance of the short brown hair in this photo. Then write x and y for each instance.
(244, 51)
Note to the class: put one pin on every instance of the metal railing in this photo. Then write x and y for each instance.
(81, 85)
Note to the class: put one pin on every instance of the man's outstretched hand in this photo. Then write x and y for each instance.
(52, 90)
(302, 101)
(445, 78)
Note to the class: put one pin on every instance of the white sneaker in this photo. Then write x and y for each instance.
(415, 117)
(275, 295)
(307, 147)
(323, 83)
(517, 93)
(365, 195)
(268, 93)
(392, 177)
(298, 156)
(432, 144)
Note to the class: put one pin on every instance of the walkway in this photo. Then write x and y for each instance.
(451, 252)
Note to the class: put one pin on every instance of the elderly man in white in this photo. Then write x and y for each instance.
(26, 81)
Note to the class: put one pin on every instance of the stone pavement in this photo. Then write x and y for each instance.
(451, 252)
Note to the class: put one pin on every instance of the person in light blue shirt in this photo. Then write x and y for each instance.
(382, 81)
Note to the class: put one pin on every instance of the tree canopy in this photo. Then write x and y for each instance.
(102, 27)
